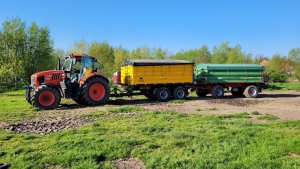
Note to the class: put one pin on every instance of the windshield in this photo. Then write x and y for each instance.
(87, 63)
(68, 64)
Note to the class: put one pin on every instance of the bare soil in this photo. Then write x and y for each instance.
(130, 163)
(283, 104)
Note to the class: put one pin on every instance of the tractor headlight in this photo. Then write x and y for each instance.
(32, 80)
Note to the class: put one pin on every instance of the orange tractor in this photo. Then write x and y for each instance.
(77, 79)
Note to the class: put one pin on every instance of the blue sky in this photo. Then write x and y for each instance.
(260, 26)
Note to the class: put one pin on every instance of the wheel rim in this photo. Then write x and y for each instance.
(46, 98)
(252, 91)
(219, 92)
(164, 94)
(180, 94)
(96, 91)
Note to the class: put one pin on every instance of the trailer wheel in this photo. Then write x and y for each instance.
(95, 91)
(251, 92)
(46, 97)
(201, 93)
(217, 91)
(180, 93)
(238, 93)
(163, 94)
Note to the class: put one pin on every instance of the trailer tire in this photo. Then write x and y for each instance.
(180, 93)
(95, 91)
(46, 97)
(251, 91)
(217, 91)
(201, 93)
(163, 94)
(238, 93)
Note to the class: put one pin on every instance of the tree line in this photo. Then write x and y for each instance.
(25, 50)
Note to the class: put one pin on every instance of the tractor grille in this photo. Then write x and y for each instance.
(55, 76)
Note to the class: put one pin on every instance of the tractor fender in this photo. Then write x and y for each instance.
(91, 75)
(56, 87)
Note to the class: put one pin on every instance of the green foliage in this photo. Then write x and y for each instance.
(23, 51)
(105, 55)
(277, 76)
(229, 55)
(201, 55)
(278, 69)
(294, 60)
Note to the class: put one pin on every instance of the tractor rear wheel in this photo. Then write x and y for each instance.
(95, 91)
(46, 97)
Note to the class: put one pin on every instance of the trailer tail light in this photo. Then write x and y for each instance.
(117, 77)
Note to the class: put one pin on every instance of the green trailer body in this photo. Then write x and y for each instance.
(229, 73)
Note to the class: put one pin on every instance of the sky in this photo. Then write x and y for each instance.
(261, 27)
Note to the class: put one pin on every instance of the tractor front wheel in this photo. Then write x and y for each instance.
(95, 91)
(46, 97)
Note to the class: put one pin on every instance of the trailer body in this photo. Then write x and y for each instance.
(229, 73)
(241, 79)
(153, 72)
(156, 79)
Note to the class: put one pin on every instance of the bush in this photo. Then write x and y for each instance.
(277, 76)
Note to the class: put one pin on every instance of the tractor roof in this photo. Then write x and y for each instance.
(78, 56)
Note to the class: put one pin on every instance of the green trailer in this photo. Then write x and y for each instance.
(241, 79)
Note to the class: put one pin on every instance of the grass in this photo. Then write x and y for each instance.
(267, 117)
(283, 86)
(14, 107)
(125, 109)
(255, 113)
(243, 115)
(159, 140)
(211, 109)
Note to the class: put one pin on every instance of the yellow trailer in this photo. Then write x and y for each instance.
(158, 79)
(147, 72)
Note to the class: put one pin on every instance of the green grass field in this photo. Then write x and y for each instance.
(158, 139)
(283, 86)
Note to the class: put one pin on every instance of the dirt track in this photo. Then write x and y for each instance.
(285, 105)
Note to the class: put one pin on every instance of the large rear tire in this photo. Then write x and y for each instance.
(46, 97)
(180, 93)
(217, 91)
(95, 91)
(251, 92)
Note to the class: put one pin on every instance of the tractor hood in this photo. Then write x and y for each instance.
(51, 77)
(48, 73)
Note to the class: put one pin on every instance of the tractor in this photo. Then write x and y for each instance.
(77, 79)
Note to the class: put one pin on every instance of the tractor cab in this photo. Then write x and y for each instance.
(77, 66)
(77, 79)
